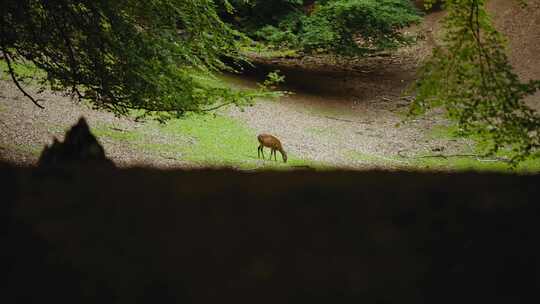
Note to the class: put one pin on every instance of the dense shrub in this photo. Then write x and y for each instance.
(341, 26)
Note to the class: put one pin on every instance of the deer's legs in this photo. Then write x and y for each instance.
(260, 150)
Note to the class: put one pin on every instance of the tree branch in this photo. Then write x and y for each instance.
(14, 78)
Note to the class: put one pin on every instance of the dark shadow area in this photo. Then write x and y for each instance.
(33, 270)
(436, 6)
(80, 146)
(93, 234)
(363, 79)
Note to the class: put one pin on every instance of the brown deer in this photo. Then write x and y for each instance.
(267, 140)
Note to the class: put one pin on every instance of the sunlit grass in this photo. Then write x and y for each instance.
(105, 131)
(203, 140)
(25, 71)
(218, 140)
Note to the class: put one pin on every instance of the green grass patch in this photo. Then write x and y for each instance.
(450, 163)
(444, 132)
(162, 148)
(473, 164)
(106, 131)
(204, 140)
(217, 140)
(458, 164)
(531, 165)
(26, 71)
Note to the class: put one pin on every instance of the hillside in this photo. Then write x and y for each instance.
(522, 27)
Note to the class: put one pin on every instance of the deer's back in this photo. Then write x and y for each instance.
(270, 141)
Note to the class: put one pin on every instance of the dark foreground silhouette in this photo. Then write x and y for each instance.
(103, 235)
(80, 146)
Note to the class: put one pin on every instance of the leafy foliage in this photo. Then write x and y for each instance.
(155, 55)
(473, 80)
(341, 26)
(365, 24)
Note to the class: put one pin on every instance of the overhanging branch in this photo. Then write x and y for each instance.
(14, 78)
